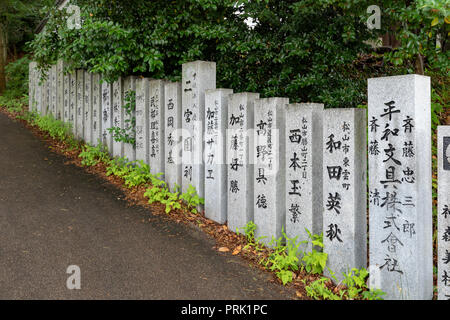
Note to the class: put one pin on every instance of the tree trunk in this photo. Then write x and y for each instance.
(3, 47)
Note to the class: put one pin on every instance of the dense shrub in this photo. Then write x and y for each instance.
(308, 50)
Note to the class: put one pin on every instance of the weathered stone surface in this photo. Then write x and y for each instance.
(117, 115)
(197, 77)
(45, 95)
(79, 133)
(142, 120)
(269, 170)
(216, 112)
(129, 85)
(400, 185)
(304, 200)
(443, 211)
(73, 102)
(66, 95)
(39, 92)
(107, 116)
(239, 149)
(344, 189)
(87, 107)
(156, 126)
(53, 90)
(96, 137)
(173, 136)
(31, 85)
(60, 90)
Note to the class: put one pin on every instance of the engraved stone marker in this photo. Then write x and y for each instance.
(269, 170)
(60, 90)
(80, 105)
(142, 120)
(400, 185)
(156, 126)
(443, 256)
(129, 85)
(73, 102)
(344, 189)
(304, 206)
(96, 137)
(87, 107)
(239, 149)
(216, 112)
(173, 136)
(107, 116)
(197, 77)
(53, 90)
(117, 115)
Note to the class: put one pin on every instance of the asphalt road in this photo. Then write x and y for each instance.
(54, 215)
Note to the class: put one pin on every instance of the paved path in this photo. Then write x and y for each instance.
(54, 215)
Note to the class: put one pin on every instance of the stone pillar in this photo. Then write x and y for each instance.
(216, 112)
(239, 149)
(107, 116)
(30, 85)
(96, 137)
(46, 95)
(344, 190)
(142, 120)
(400, 185)
(129, 85)
(53, 90)
(80, 105)
(197, 77)
(117, 115)
(66, 112)
(269, 170)
(173, 136)
(87, 107)
(73, 102)
(156, 126)
(60, 90)
(443, 211)
(304, 201)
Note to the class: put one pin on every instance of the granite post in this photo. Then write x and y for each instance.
(400, 207)
(239, 149)
(344, 190)
(142, 120)
(156, 126)
(117, 116)
(216, 112)
(269, 170)
(443, 210)
(96, 137)
(87, 107)
(197, 77)
(129, 97)
(173, 136)
(107, 116)
(304, 201)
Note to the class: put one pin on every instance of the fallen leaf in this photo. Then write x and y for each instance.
(237, 250)
(299, 294)
(223, 249)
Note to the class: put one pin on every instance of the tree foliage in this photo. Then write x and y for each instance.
(306, 50)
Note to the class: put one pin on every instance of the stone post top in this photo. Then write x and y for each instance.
(273, 99)
(224, 90)
(400, 77)
(199, 62)
(305, 105)
(443, 128)
(239, 94)
(348, 110)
